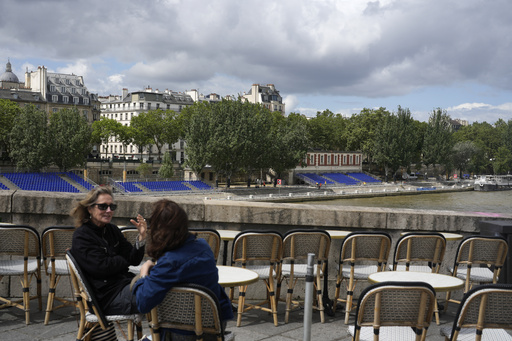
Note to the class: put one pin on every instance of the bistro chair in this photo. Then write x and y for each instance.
(21, 246)
(394, 311)
(479, 259)
(91, 315)
(211, 236)
(131, 234)
(188, 307)
(297, 244)
(418, 251)
(361, 254)
(259, 251)
(484, 314)
(55, 241)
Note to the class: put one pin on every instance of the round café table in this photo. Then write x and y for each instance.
(440, 283)
(233, 276)
(226, 236)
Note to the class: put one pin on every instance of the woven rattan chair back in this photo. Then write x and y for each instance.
(259, 251)
(86, 302)
(188, 307)
(21, 245)
(297, 244)
(212, 237)
(407, 306)
(362, 253)
(474, 251)
(485, 310)
(424, 249)
(56, 240)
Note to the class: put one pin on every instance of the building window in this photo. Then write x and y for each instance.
(141, 105)
(76, 100)
(344, 159)
(351, 159)
(321, 159)
(65, 99)
(53, 88)
(68, 81)
(328, 159)
(55, 98)
(149, 106)
(168, 106)
(86, 101)
(55, 110)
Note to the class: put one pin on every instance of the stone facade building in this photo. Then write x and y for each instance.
(266, 95)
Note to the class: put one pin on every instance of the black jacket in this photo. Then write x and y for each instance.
(104, 254)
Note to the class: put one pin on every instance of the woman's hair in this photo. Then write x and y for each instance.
(80, 212)
(168, 228)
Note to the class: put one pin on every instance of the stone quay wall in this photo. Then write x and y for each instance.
(44, 209)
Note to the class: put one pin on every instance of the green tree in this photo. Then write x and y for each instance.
(70, 139)
(30, 147)
(438, 140)
(463, 153)
(9, 112)
(290, 142)
(145, 170)
(197, 121)
(503, 161)
(327, 131)
(125, 135)
(104, 131)
(166, 170)
(361, 130)
(396, 141)
(157, 127)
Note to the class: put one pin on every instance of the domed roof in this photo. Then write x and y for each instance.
(8, 76)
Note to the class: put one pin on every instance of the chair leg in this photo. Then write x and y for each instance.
(241, 304)
(350, 294)
(130, 330)
(51, 297)
(289, 295)
(436, 312)
(26, 303)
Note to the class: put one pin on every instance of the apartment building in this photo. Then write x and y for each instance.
(130, 104)
(266, 95)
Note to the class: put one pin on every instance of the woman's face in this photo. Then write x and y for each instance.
(101, 217)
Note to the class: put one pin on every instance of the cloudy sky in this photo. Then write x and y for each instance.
(341, 55)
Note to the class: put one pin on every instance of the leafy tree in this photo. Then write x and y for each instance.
(438, 140)
(9, 111)
(125, 135)
(361, 130)
(290, 140)
(166, 170)
(463, 152)
(326, 131)
(104, 131)
(396, 141)
(30, 147)
(70, 139)
(196, 129)
(145, 169)
(503, 161)
(157, 127)
(487, 140)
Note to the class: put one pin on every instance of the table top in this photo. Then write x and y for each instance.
(447, 235)
(233, 276)
(228, 234)
(338, 234)
(438, 281)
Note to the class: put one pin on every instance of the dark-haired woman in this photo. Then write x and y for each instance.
(180, 258)
(104, 254)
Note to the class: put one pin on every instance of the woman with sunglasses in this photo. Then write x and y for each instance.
(104, 254)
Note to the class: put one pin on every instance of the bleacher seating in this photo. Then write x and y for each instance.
(200, 185)
(49, 182)
(79, 180)
(317, 178)
(2, 186)
(130, 187)
(363, 177)
(341, 178)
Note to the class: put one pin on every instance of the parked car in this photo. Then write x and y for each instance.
(410, 176)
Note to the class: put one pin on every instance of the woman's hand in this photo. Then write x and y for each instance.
(141, 225)
(146, 267)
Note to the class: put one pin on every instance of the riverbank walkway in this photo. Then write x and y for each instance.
(256, 325)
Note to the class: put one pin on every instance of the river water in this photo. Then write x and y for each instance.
(490, 203)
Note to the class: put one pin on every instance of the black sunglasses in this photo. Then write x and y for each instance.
(104, 207)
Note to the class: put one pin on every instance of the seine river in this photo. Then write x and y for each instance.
(471, 201)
